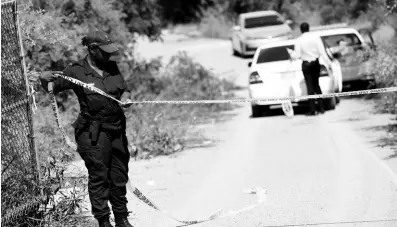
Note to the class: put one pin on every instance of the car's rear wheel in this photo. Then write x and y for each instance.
(242, 54)
(330, 104)
(256, 111)
(337, 99)
(235, 53)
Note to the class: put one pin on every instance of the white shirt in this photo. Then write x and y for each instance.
(309, 47)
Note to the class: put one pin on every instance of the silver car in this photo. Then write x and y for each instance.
(257, 28)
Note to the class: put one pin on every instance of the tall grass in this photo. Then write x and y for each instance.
(215, 25)
(163, 129)
(385, 70)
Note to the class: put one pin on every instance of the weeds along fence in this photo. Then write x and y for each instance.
(19, 168)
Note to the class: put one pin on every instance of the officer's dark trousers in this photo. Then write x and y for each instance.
(311, 72)
(107, 164)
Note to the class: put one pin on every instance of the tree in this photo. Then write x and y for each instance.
(183, 11)
(141, 17)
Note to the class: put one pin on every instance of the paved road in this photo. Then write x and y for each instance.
(316, 169)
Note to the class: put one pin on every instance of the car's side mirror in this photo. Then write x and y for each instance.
(250, 64)
(289, 22)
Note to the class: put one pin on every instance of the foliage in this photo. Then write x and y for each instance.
(182, 11)
(141, 17)
(385, 69)
(391, 6)
(165, 129)
(60, 207)
(215, 25)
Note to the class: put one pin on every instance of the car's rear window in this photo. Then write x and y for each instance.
(263, 21)
(274, 54)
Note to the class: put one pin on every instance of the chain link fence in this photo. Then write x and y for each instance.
(19, 172)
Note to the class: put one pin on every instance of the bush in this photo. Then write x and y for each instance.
(385, 69)
(163, 129)
(215, 25)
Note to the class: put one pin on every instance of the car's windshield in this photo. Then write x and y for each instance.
(273, 54)
(349, 39)
(263, 21)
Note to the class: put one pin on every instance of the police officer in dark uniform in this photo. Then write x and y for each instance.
(100, 127)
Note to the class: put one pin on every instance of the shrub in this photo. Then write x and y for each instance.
(215, 25)
(163, 129)
(385, 70)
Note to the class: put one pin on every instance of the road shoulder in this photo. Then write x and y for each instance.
(376, 130)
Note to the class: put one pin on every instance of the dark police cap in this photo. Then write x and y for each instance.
(101, 39)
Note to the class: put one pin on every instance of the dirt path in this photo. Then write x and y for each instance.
(338, 178)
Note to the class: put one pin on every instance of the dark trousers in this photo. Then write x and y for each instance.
(311, 72)
(107, 164)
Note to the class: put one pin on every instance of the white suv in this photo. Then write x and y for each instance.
(353, 48)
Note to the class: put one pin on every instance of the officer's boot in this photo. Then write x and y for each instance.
(104, 222)
(122, 221)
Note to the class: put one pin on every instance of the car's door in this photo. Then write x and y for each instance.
(335, 71)
(351, 48)
(367, 37)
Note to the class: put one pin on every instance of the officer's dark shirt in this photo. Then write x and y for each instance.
(112, 82)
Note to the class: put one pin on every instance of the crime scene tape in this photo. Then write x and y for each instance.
(261, 193)
(269, 100)
(56, 113)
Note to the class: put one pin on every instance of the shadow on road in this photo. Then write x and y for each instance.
(279, 112)
(243, 57)
(389, 141)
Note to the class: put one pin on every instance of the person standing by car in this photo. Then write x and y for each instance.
(309, 48)
(100, 127)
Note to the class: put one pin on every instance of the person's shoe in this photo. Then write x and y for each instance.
(104, 222)
(122, 222)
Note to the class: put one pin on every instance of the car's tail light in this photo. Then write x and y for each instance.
(255, 78)
(323, 71)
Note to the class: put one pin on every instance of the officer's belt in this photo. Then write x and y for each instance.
(107, 119)
(98, 124)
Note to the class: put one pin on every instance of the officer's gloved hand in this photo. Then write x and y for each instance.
(48, 76)
(126, 103)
